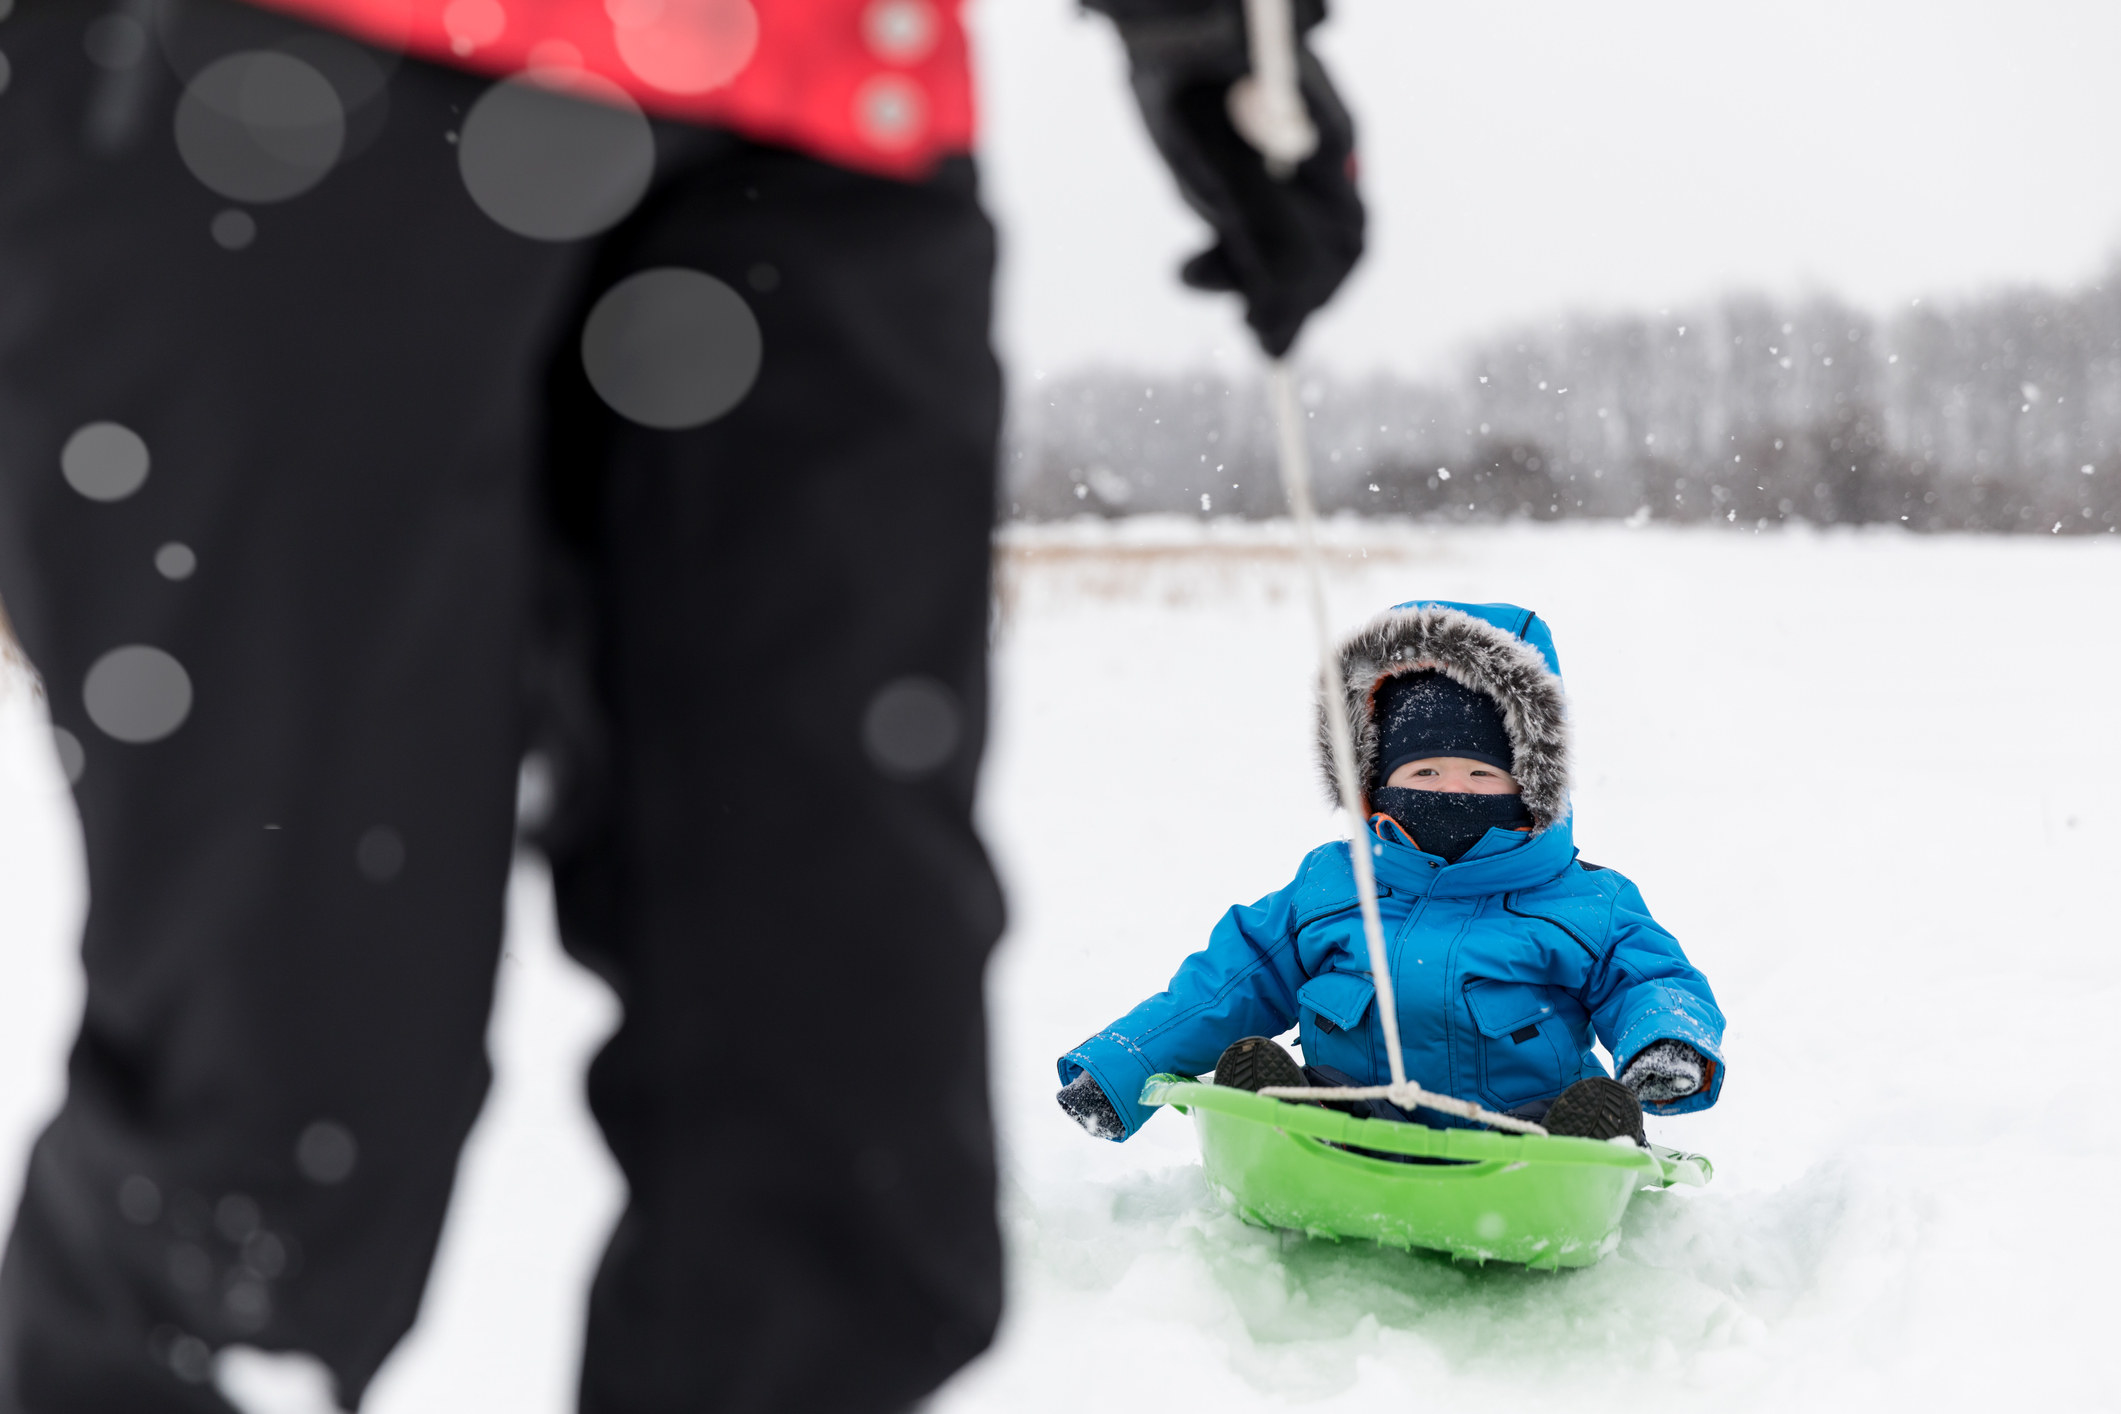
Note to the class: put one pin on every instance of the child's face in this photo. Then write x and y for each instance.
(1455, 773)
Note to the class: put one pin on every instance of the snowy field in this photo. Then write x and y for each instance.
(1872, 781)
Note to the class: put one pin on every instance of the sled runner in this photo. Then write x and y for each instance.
(1543, 1200)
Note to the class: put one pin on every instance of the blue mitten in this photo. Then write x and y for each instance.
(1088, 1107)
(1665, 1070)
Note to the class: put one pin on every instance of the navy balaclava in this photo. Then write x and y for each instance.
(1447, 823)
(1426, 714)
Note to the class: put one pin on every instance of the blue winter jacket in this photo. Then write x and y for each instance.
(1505, 964)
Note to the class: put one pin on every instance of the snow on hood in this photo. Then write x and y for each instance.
(1499, 649)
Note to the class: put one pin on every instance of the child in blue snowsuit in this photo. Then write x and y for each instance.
(1508, 953)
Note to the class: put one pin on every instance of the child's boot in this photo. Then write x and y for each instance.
(1597, 1108)
(1256, 1063)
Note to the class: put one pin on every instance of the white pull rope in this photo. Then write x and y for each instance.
(1296, 482)
(1267, 106)
(1405, 1095)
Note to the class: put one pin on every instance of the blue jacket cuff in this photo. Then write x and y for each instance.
(1670, 1027)
(1119, 1071)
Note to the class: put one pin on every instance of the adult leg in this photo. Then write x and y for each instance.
(787, 891)
(290, 658)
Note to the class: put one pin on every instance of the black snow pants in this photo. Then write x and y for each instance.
(313, 524)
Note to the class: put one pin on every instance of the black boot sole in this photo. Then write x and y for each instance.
(1256, 1063)
(1597, 1108)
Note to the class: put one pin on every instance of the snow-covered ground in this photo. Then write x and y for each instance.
(1872, 781)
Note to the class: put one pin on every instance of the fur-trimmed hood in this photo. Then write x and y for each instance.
(1499, 649)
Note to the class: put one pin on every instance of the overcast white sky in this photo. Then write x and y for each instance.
(1523, 157)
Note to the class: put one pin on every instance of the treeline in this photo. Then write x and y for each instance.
(1998, 414)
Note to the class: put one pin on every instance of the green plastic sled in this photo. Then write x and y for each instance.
(1545, 1201)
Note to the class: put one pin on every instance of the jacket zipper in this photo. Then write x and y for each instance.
(1380, 1063)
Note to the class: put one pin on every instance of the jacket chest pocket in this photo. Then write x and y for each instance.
(1522, 1043)
(1331, 1008)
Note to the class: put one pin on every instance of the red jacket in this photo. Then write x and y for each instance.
(879, 85)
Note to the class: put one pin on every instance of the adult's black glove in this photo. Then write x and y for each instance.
(1088, 1107)
(1284, 244)
(1665, 1070)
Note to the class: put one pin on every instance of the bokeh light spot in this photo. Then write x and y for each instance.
(176, 561)
(763, 277)
(380, 854)
(115, 42)
(901, 31)
(553, 56)
(190, 1269)
(472, 24)
(139, 1200)
(326, 1152)
(260, 126)
(671, 348)
(684, 46)
(359, 74)
(190, 1359)
(233, 229)
(556, 158)
(249, 1305)
(7, 73)
(265, 1254)
(73, 758)
(911, 727)
(137, 694)
(237, 1216)
(891, 111)
(104, 461)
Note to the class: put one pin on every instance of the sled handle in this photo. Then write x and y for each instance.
(1682, 1170)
